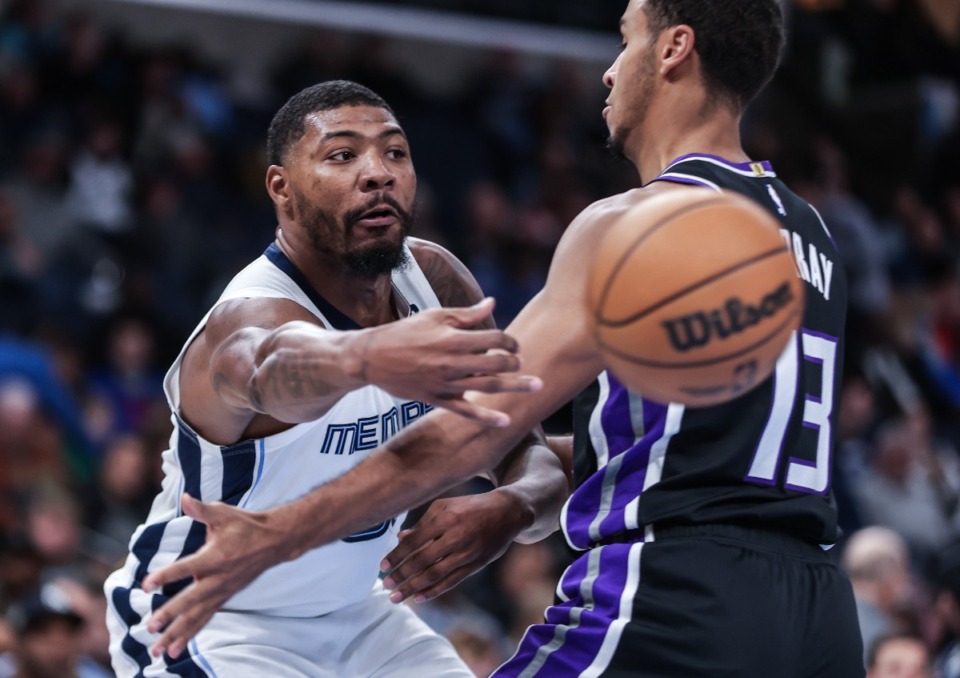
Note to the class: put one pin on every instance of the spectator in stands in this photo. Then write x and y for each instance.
(120, 499)
(20, 566)
(129, 377)
(947, 606)
(877, 562)
(911, 487)
(899, 656)
(48, 639)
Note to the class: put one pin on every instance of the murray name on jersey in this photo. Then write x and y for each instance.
(813, 266)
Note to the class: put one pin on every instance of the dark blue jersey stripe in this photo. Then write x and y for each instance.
(335, 317)
(134, 649)
(146, 547)
(185, 665)
(239, 469)
(189, 454)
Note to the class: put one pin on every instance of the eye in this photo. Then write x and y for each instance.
(397, 153)
(341, 156)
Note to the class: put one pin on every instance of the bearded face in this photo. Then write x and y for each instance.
(365, 258)
(352, 189)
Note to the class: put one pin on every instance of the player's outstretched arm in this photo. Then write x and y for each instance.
(270, 357)
(425, 459)
(458, 536)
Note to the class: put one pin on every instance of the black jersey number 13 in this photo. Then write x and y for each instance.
(801, 475)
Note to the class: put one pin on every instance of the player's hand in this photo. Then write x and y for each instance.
(435, 356)
(454, 539)
(239, 546)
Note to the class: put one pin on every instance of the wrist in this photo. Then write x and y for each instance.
(288, 544)
(518, 511)
(354, 357)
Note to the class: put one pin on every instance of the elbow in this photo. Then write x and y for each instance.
(256, 391)
(266, 362)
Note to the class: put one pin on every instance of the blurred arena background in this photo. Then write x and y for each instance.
(131, 189)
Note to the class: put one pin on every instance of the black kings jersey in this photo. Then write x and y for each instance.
(762, 460)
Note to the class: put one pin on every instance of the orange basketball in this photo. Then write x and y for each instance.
(693, 296)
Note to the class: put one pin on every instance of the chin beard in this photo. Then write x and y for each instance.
(378, 260)
(616, 146)
(374, 260)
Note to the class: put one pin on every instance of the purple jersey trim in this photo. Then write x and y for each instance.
(679, 180)
(628, 457)
(574, 631)
(742, 166)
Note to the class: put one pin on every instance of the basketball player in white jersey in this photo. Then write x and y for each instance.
(700, 528)
(315, 354)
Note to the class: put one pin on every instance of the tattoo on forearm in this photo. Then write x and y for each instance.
(291, 377)
(297, 379)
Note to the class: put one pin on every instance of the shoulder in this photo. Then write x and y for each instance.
(262, 312)
(604, 212)
(450, 279)
(585, 231)
(433, 258)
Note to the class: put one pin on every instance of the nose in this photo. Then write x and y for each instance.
(376, 175)
(611, 75)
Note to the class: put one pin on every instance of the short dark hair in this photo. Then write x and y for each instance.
(288, 125)
(739, 41)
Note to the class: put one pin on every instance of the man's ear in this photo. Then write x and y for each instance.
(278, 189)
(676, 47)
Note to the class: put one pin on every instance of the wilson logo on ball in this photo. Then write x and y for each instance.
(698, 329)
(693, 296)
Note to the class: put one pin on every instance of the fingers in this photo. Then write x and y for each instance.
(481, 341)
(488, 384)
(473, 412)
(471, 316)
(469, 361)
(427, 560)
(186, 567)
(189, 566)
(182, 617)
(193, 508)
(410, 541)
(431, 526)
(422, 589)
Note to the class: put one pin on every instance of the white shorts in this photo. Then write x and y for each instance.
(372, 638)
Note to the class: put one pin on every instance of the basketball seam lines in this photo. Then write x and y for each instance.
(639, 241)
(692, 288)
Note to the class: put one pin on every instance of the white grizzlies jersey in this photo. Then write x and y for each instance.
(267, 472)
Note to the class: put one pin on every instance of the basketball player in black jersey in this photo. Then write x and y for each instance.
(701, 530)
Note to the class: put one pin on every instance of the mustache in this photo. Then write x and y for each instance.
(352, 216)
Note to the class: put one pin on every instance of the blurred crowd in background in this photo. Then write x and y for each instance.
(131, 190)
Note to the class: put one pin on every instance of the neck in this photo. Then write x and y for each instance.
(368, 302)
(711, 128)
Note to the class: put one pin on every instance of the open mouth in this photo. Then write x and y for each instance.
(381, 215)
